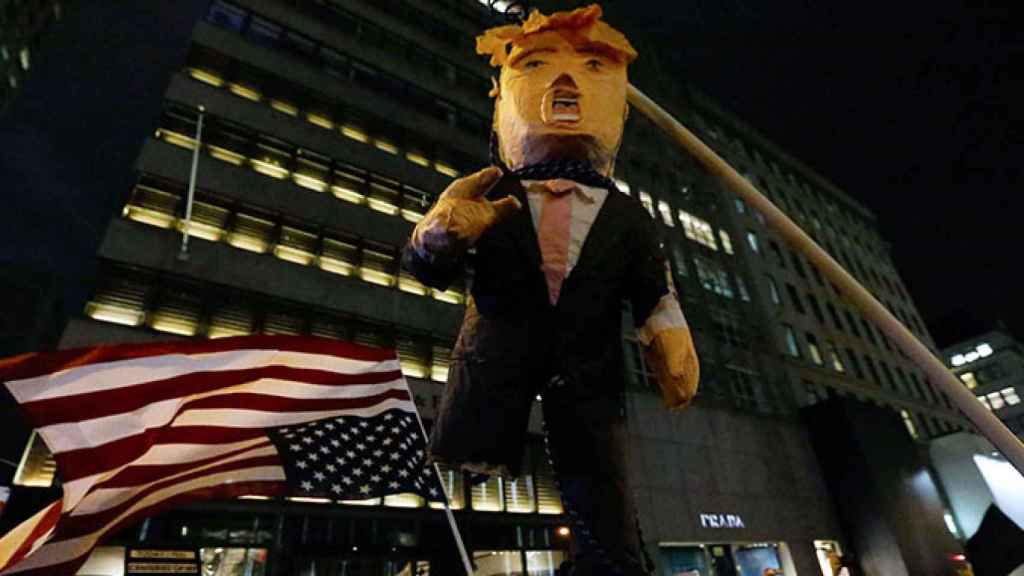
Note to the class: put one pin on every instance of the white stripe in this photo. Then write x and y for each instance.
(105, 498)
(14, 539)
(65, 550)
(98, 431)
(237, 418)
(125, 373)
(75, 490)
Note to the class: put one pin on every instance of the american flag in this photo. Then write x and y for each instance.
(135, 429)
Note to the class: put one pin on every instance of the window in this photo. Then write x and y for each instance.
(712, 276)
(741, 207)
(867, 330)
(833, 355)
(1010, 395)
(852, 357)
(774, 247)
(797, 264)
(753, 242)
(726, 241)
(697, 230)
(647, 202)
(969, 380)
(729, 327)
(742, 287)
(794, 298)
(792, 348)
(773, 291)
(815, 308)
(851, 323)
(908, 421)
(666, 213)
(812, 348)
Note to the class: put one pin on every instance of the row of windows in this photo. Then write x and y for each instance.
(160, 203)
(275, 158)
(243, 81)
(138, 298)
(267, 33)
(983, 375)
(932, 426)
(1000, 399)
(864, 367)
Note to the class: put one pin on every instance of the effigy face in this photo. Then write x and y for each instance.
(559, 99)
(562, 88)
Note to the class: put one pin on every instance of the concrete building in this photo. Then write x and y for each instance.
(991, 365)
(329, 126)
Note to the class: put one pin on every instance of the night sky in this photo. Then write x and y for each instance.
(913, 108)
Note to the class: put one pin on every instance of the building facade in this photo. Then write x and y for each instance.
(991, 365)
(328, 128)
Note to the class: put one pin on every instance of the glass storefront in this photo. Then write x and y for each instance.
(712, 559)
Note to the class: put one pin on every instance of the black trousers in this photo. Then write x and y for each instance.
(588, 446)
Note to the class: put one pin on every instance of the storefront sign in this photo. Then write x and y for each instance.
(161, 561)
(721, 521)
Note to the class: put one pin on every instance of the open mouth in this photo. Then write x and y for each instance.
(565, 106)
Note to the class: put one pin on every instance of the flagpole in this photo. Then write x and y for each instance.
(466, 563)
(990, 426)
(183, 253)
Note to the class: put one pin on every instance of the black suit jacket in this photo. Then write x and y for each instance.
(513, 340)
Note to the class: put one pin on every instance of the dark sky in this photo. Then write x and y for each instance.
(914, 108)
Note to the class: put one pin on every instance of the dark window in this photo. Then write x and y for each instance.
(851, 323)
(816, 308)
(867, 330)
(871, 368)
(855, 363)
(797, 264)
(227, 16)
(794, 297)
(263, 31)
(835, 316)
(774, 247)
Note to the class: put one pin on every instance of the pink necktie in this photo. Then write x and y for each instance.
(553, 233)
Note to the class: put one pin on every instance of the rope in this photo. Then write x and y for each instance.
(577, 170)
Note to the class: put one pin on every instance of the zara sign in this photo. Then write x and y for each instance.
(721, 521)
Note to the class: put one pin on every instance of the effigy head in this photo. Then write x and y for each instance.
(562, 87)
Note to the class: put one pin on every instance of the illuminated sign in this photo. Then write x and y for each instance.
(721, 521)
(162, 561)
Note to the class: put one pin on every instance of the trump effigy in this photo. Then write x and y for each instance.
(554, 251)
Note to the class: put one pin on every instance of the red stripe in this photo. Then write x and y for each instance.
(75, 526)
(227, 491)
(42, 527)
(84, 462)
(101, 403)
(144, 474)
(39, 364)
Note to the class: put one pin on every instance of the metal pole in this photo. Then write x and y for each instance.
(183, 254)
(466, 563)
(986, 422)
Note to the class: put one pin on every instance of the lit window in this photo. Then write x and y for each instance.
(984, 401)
(355, 133)
(451, 295)
(647, 202)
(812, 348)
(152, 206)
(753, 242)
(623, 186)
(440, 361)
(247, 92)
(452, 480)
(487, 496)
(417, 158)
(37, 467)
(207, 221)
(383, 198)
(4, 53)
(377, 268)
(230, 322)
(251, 233)
(386, 146)
(742, 287)
(908, 421)
(1010, 396)
(666, 213)
(296, 246)
(984, 350)
(320, 120)
(311, 173)
(958, 360)
(970, 380)
(271, 161)
(971, 356)
(408, 283)
(12, 80)
(206, 76)
(284, 107)
(726, 241)
(833, 354)
(349, 186)
(741, 207)
(411, 358)
(23, 57)
(995, 400)
(791, 346)
(773, 291)
(338, 257)
(446, 169)
(697, 230)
